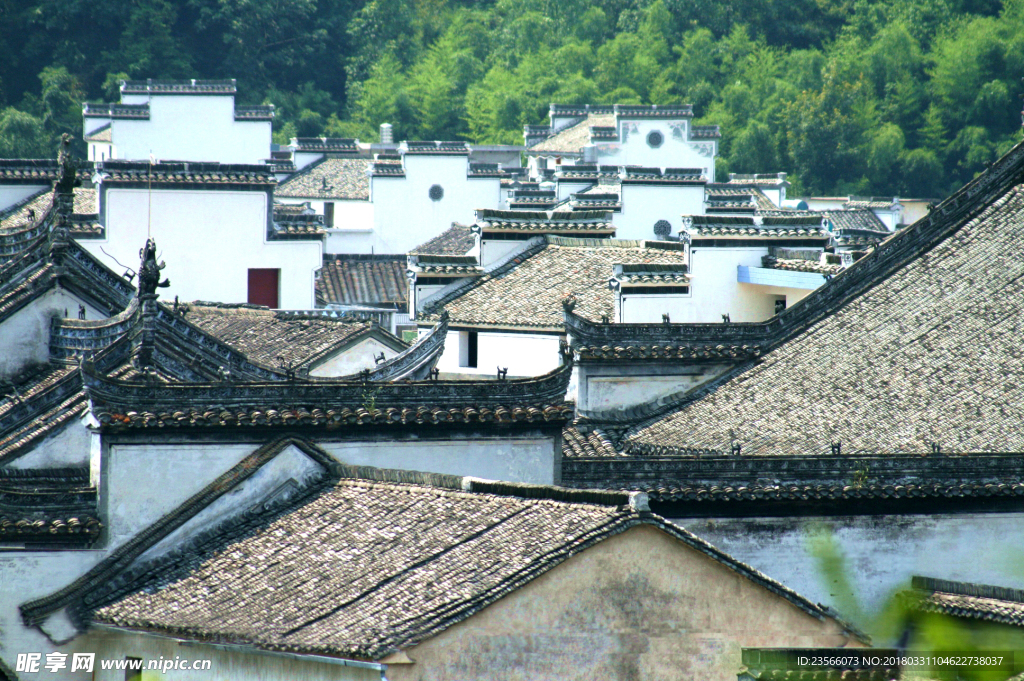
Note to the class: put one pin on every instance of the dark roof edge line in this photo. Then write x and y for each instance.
(947, 586)
(35, 611)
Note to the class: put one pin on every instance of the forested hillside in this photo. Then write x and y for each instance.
(909, 97)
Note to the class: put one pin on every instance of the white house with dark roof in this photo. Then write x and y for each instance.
(880, 416)
(509, 315)
(649, 136)
(216, 224)
(178, 120)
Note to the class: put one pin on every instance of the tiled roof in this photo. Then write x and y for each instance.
(915, 348)
(582, 223)
(400, 557)
(101, 134)
(152, 86)
(121, 111)
(259, 112)
(856, 220)
(330, 178)
(756, 227)
(527, 289)
(30, 210)
(325, 144)
(296, 222)
(436, 148)
(700, 479)
(363, 280)
(871, 203)
(456, 240)
(772, 180)
(53, 506)
(797, 265)
(595, 442)
(575, 137)
(328, 403)
(212, 175)
(445, 265)
(642, 175)
(279, 339)
(40, 171)
(965, 600)
(725, 197)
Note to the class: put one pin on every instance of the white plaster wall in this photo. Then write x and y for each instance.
(642, 309)
(643, 205)
(880, 553)
(354, 359)
(225, 665)
(714, 290)
(209, 239)
(192, 128)
(353, 224)
(675, 151)
(281, 477)
(524, 459)
(25, 335)
(914, 210)
(11, 194)
(422, 292)
(890, 218)
(619, 386)
(565, 188)
(301, 159)
(144, 482)
(25, 576)
(404, 215)
(493, 250)
(69, 446)
(524, 354)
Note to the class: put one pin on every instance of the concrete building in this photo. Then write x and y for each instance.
(178, 120)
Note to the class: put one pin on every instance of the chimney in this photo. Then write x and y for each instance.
(385, 134)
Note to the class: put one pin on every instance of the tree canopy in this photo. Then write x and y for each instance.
(908, 97)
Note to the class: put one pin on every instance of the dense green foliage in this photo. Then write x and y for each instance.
(909, 97)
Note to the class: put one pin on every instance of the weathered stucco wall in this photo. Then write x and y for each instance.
(25, 576)
(640, 605)
(224, 665)
(523, 459)
(620, 386)
(25, 336)
(879, 553)
(354, 359)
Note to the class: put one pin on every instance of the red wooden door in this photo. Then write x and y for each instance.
(263, 287)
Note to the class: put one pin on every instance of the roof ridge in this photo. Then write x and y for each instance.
(966, 589)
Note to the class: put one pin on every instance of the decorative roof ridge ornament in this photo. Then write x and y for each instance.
(149, 271)
(63, 196)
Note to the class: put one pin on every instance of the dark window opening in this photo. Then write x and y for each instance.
(328, 215)
(133, 669)
(470, 349)
(653, 290)
(264, 287)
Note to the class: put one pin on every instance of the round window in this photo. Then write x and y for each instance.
(662, 228)
(436, 192)
(654, 139)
